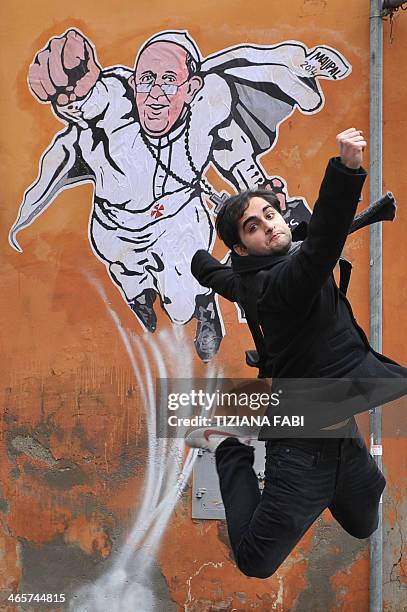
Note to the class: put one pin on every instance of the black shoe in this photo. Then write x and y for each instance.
(142, 306)
(208, 330)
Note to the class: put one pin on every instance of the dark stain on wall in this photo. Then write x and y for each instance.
(332, 550)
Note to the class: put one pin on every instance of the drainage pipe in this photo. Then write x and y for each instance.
(375, 174)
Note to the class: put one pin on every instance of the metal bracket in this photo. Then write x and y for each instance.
(206, 496)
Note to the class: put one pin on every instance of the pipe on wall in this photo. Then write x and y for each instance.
(375, 276)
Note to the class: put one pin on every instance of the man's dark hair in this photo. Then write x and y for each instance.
(227, 226)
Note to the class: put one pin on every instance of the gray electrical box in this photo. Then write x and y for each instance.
(206, 497)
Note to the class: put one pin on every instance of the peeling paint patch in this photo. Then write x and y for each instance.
(190, 599)
(352, 584)
(66, 476)
(9, 565)
(224, 538)
(89, 535)
(60, 473)
(14, 473)
(30, 446)
(240, 596)
(4, 507)
(332, 551)
(55, 567)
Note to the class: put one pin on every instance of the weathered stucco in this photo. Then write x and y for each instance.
(74, 435)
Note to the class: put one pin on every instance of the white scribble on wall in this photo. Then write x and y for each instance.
(127, 584)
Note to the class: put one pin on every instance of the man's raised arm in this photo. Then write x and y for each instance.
(296, 282)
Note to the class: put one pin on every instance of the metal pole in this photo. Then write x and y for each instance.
(376, 101)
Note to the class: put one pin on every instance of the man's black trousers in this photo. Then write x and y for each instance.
(302, 478)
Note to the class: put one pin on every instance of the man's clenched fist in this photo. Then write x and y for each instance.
(351, 143)
(65, 70)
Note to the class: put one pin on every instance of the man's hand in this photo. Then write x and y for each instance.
(351, 146)
(65, 70)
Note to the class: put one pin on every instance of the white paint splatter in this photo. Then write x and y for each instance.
(280, 594)
(127, 585)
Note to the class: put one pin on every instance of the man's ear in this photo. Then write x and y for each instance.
(240, 249)
(132, 83)
(195, 83)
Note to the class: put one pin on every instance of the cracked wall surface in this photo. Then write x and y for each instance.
(74, 444)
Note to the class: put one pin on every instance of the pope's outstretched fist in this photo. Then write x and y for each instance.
(65, 70)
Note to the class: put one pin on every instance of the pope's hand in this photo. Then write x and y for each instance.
(65, 70)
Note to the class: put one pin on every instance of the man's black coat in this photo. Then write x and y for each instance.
(308, 326)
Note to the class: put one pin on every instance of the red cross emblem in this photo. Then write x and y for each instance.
(158, 210)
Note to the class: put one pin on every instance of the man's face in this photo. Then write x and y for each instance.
(262, 230)
(162, 64)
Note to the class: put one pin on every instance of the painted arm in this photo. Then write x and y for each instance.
(60, 166)
(65, 70)
(62, 74)
(236, 160)
(288, 65)
(67, 75)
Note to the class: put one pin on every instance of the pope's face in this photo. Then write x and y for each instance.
(162, 69)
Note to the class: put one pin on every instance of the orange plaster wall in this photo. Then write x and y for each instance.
(69, 395)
